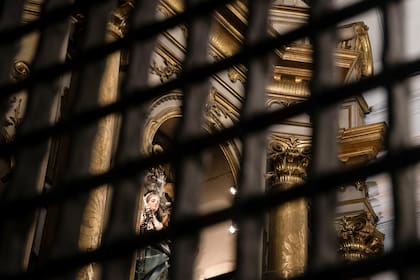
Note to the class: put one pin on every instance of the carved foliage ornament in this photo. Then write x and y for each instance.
(289, 158)
(165, 71)
(359, 237)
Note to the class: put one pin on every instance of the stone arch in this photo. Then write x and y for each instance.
(167, 107)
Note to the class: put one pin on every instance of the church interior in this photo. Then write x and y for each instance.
(363, 217)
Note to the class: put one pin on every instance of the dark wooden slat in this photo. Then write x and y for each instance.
(125, 196)
(29, 171)
(189, 169)
(398, 94)
(323, 245)
(87, 96)
(249, 243)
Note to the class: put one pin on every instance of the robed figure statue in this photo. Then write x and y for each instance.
(152, 262)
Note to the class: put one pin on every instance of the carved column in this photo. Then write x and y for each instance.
(287, 251)
(94, 216)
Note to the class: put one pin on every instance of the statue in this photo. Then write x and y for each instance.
(152, 262)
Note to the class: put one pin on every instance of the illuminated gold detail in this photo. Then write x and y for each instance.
(355, 36)
(20, 70)
(236, 74)
(94, 214)
(361, 144)
(118, 25)
(359, 237)
(289, 157)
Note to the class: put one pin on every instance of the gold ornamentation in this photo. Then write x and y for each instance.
(361, 144)
(359, 237)
(236, 75)
(280, 101)
(166, 71)
(214, 111)
(288, 239)
(355, 36)
(20, 70)
(290, 157)
(118, 24)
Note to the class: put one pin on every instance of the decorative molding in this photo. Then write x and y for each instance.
(359, 237)
(166, 71)
(31, 10)
(237, 74)
(20, 70)
(285, 82)
(215, 111)
(361, 144)
(355, 36)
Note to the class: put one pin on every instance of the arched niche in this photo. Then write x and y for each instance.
(216, 254)
(165, 109)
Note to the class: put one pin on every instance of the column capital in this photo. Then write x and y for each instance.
(289, 159)
(359, 238)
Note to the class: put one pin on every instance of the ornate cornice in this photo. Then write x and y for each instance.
(358, 237)
(289, 159)
(361, 144)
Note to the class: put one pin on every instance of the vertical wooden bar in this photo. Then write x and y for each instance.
(10, 16)
(29, 171)
(253, 167)
(81, 219)
(323, 248)
(124, 208)
(189, 169)
(403, 181)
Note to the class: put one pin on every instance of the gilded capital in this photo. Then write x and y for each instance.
(359, 238)
(118, 24)
(289, 159)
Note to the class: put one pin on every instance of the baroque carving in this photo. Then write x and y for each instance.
(17, 102)
(290, 158)
(355, 37)
(359, 185)
(235, 75)
(359, 237)
(20, 70)
(280, 101)
(118, 24)
(165, 71)
(214, 110)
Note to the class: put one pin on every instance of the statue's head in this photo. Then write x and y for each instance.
(153, 201)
